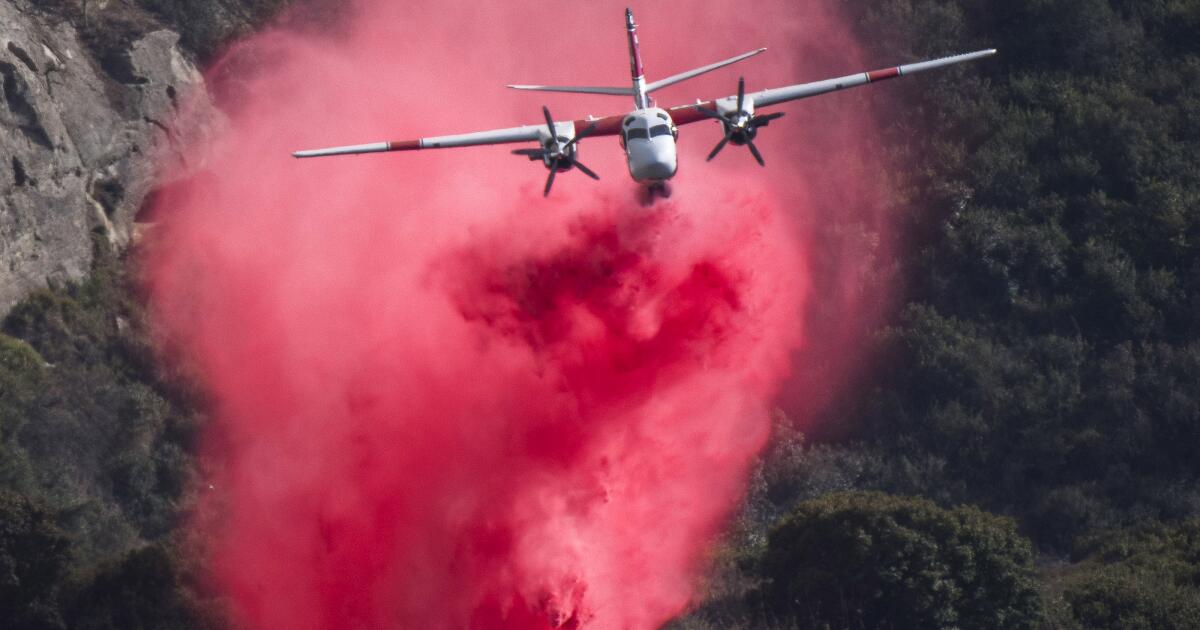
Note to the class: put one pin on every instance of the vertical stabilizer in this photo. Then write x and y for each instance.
(635, 63)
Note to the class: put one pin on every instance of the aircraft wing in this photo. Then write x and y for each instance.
(494, 136)
(682, 115)
(685, 114)
(608, 126)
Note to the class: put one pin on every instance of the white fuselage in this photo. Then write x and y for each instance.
(648, 136)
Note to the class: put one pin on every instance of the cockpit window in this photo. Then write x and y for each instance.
(660, 130)
(636, 132)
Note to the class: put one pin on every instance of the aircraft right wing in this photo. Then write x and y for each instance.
(685, 114)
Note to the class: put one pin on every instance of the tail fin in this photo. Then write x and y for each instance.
(636, 71)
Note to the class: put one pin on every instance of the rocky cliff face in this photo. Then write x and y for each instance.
(79, 137)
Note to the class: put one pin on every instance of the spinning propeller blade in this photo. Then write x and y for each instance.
(586, 171)
(740, 127)
(550, 179)
(754, 151)
(720, 145)
(558, 156)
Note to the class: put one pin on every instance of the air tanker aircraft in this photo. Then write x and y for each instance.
(648, 133)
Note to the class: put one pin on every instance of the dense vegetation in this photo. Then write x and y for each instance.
(1047, 363)
(94, 463)
(1141, 579)
(1043, 365)
(96, 440)
(873, 560)
(1045, 360)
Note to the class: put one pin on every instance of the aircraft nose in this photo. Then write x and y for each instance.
(659, 169)
(654, 160)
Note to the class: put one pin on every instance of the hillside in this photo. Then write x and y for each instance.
(95, 441)
(1018, 454)
(1043, 363)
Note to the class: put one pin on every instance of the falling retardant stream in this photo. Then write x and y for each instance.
(440, 400)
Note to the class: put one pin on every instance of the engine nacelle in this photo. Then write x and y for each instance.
(562, 156)
(737, 122)
(727, 106)
(559, 148)
(736, 114)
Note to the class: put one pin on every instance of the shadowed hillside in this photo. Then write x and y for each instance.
(1019, 454)
(1044, 362)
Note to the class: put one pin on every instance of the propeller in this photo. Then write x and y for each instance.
(740, 125)
(557, 155)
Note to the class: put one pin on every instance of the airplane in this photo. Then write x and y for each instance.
(648, 133)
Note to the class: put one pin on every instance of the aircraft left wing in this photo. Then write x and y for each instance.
(685, 114)
(494, 136)
(586, 127)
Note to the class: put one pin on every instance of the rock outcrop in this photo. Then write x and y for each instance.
(80, 139)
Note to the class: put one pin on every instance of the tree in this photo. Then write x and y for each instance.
(34, 554)
(1140, 580)
(871, 560)
(142, 591)
(1044, 361)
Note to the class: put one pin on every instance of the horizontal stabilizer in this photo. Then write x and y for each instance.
(611, 91)
(684, 76)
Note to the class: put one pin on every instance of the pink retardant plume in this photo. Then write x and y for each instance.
(442, 401)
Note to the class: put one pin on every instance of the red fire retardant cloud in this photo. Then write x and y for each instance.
(442, 401)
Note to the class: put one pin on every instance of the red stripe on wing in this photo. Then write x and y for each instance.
(607, 126)
(404, 145)
(685, 114)
(879, 75)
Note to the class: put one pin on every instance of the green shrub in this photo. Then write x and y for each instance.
(870, 560)
(142, 591)
(1140, 580)
(21, 376)
(34, 554)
